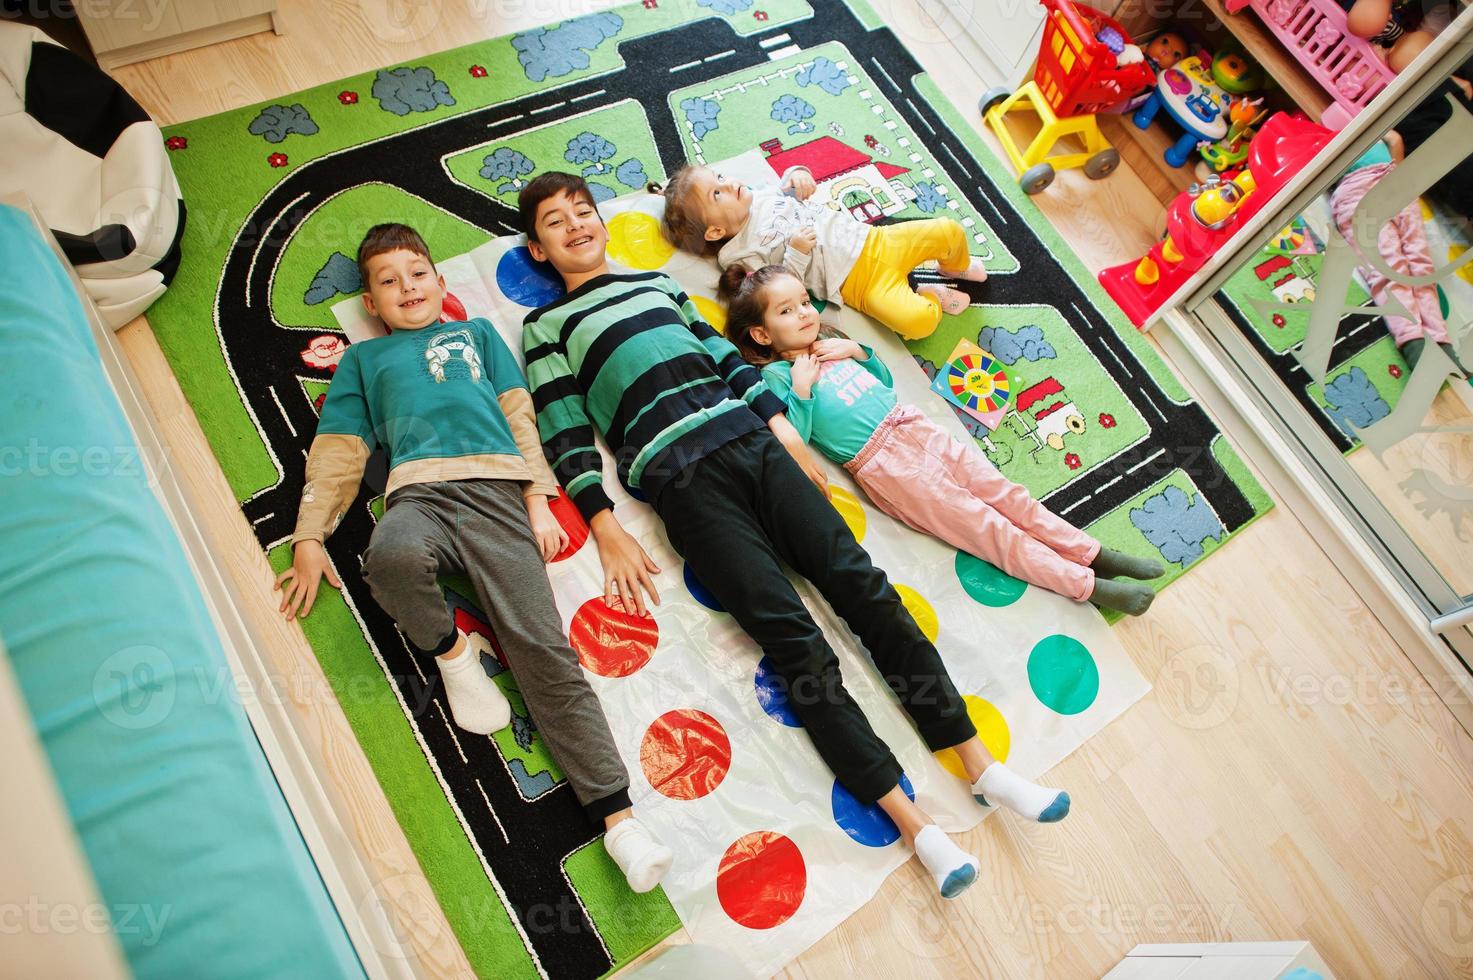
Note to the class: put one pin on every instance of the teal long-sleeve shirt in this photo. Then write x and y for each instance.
(847, 403)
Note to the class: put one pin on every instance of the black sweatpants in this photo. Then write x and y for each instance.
(737, 513)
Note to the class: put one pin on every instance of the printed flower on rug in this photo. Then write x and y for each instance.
(1072, 461)
(277, 159)
(1107, 421)
(478, 71)
(348, 98)
(176, 143)
(1394, 370)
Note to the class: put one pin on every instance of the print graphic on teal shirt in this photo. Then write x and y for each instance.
(445, 346)
(848, 402)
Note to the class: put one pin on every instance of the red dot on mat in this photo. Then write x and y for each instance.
(761, 880)
(685, 754)
(611, 642)
(452, 308)
(468, 623)
(573, 523)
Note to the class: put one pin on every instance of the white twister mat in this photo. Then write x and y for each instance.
(770, 853)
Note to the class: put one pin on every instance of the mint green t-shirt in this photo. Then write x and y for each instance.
(848, 402)
(1378, 153)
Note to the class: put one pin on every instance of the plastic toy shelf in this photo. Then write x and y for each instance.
(1264, 48)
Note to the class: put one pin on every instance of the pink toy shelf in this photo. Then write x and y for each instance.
(1315, 31)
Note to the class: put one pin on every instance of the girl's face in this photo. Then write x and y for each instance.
(724, 203)
(789, 322)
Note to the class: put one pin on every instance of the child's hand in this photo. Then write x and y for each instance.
(628, 568)
(551, 538)
(805, 373)
(804, 239)
(793, 443)
(1395, 145)
(838, 349)
(298, 584)
(801, 183)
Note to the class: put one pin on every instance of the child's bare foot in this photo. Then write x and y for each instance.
(953, 869)
(953, 301)
(974, 272)
(1131, 598)
(1000, 785)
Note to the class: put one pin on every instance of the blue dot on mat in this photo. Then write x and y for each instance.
(525, 280)
(772, 695)
(869, 825)
(700, 593)
(634, 492)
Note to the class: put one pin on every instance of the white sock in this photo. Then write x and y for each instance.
(634, 849)
(999, 784)
(952, 868)
(476, 703)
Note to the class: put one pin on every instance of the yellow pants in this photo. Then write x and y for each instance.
(877, 284)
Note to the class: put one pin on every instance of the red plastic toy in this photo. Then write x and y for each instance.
(1203, 218)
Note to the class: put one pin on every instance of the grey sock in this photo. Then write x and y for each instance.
(1452, 352)
(1131, 598)
(1411, 351)
(1112, 563)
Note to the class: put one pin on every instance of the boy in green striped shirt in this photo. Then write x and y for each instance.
(694, 429)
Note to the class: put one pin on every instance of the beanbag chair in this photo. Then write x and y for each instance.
(94, 163)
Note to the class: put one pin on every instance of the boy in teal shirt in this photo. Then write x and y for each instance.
(468, 494)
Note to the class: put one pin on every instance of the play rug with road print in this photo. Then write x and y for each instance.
(1094, 424)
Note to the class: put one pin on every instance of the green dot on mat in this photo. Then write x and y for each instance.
(1063, 674)
(987, 583)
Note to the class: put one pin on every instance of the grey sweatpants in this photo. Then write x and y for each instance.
(479, 528)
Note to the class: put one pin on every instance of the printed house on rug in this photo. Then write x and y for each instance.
(869, 189)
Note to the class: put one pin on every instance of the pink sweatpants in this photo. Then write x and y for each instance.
(915, 472)
(1402, 242)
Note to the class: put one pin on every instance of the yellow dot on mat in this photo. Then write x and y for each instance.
(711, 312)
(920, 610)
(635, 241)
(991, 727)
(850, 509)
(1456, 251)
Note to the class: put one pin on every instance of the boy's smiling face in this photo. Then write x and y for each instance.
(404, 290)
(572, 236)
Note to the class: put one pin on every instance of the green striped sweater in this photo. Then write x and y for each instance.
(630, 356)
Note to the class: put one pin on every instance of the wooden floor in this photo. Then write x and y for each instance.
(1290, 776)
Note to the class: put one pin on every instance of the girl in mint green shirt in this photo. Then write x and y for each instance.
(840, 397)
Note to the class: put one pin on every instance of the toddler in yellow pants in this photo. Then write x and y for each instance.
(837, 256)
